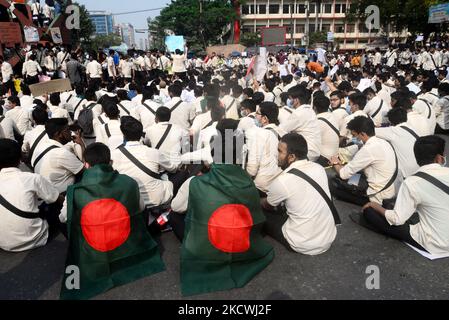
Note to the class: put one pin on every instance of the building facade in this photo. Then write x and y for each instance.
(103, 22)
(128, 34)
(324, 15)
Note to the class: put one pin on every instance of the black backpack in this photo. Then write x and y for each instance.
(85, 120)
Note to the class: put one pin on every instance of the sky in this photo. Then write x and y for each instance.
(138, 20)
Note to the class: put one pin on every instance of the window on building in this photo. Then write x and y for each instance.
(262, 8)
(312, 28)
(328, 8)
(312, 8)
(343, 8)
(301, 9)
(339, 28)
(274, 8)
(363, 28)
(350, 28)
(326, 27)
(286, 9)
(300, 28)
(338, 8)
(245, 9)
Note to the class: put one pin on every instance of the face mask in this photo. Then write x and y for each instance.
(257, 123)
(290, 103)
(348, 108)
(49, 114)
(445, 162)
(243, 113)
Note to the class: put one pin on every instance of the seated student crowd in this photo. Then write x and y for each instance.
(284, 158)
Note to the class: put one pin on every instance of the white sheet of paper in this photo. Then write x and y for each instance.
(333, 71)
(428, 255)
(355, 180)
(413, 87)
(364, 84)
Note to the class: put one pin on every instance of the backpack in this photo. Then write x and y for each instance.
(85, 120)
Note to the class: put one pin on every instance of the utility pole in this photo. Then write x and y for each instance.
(292, 7)
(307, 30)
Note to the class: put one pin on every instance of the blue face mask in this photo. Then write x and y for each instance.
(348, 108)
(257, 123)
(290, 103)
(49, 114)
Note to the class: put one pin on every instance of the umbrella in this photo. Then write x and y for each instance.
(236, 54)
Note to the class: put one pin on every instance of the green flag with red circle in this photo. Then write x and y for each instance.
(108, 239)
(223, 247)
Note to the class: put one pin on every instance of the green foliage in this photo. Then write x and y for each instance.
(157, 32)
(103, 41)
(317, 37)
(250, 39)
(184, 17)
(87, 27)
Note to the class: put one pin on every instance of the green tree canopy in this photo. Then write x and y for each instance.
(202, 23)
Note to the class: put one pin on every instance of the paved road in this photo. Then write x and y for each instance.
(340, 273)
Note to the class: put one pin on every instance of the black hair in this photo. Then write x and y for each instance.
(97, 153)
(15, 100)
(271, 111)
(175, 90)
(122, 95)
(163, 114)
(296, 145)
(444, 89)
(55, 99)
(237, 90)
(362, 124)
(248, 104)
(338, 93)
(301, 93)
(258, 98)
(427, 148)
(221, 143)
(40, 116)
(321, 104)
(397, 116)
(111, 110)
(248, 92)
(55, 126)
(359, 99)
(10, 154)
(217, 113)
(131, 128)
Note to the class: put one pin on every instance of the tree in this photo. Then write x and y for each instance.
(398, 14)
(87, 28)
(250, 39)
(157, 32)
(106, 41)
(202, 22)
(317, 37)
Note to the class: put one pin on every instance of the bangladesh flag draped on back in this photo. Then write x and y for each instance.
(108, 239)
(223, 246)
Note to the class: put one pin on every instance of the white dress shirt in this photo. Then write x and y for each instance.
(23, 190)
(7, 72)
(372, 106)
(94, 70)
(183, 115)
(403, 142)
(177, 141)
(154, 192)
(419, 123)
(116, 136)
(145, 116)
(376, 159)
(310, 227)
(425, 108)
(330, 141)
(31, 68)
(59, 165)
(31, 136)
(442, 112)
(419, 195)
(7, 126)
(305, 122)
(231, 105)
(21, 119)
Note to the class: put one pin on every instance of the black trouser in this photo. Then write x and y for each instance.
(273, 226)
(178, 224)
(380, 225)
(10, 86)
(32, 80)
(324, 162)
(338, 191)
(438, 130)
(50, 212)
(178, 178)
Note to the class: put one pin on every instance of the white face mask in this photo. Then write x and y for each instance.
(445, 162)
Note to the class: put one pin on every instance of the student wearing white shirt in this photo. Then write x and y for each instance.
(419, 194)
(7, 126)
(20, 116)
(53, 160)
(169, 139)
(182, 113)
(337, 102)
(424, 108)
(153, 190)
(267, 118)
(442, 109)
(416, 120)
(112, 70)
(403, 138)
(125, 106)
(22, 228)
(110, 133)
(37, 135)
(375, 107)
(330, 135)
(94, 70)
(308, 226)
(304, 121)
(126, 68)
(377, 159)
(229, 103)
(31, 70)
(7, 75)
(55, 110)
(357, 103)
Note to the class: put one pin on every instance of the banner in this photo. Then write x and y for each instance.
(60, 85)
(56, 35)
(174, 42)
(439, 13)
(31, 34)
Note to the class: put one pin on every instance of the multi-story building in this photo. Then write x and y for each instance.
(329, 16)
(128, 34)
(103, 22)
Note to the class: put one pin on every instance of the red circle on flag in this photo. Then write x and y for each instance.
(229, 228)
(105, 224)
